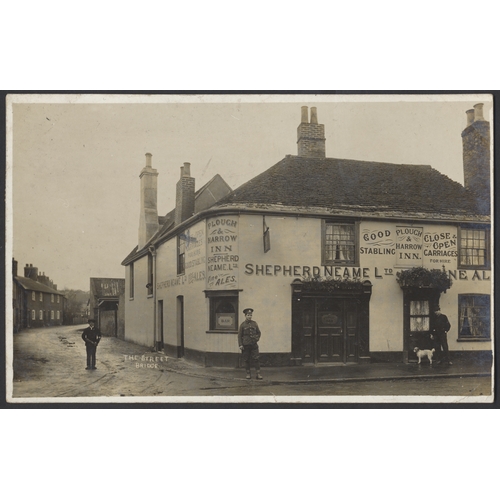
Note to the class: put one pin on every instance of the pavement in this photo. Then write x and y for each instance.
(335, 372)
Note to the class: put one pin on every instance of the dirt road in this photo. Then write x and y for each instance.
(51, 362)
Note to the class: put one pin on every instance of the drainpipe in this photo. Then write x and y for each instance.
(157, 347)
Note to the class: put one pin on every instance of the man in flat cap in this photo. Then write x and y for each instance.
(248, 336)
(91, 336)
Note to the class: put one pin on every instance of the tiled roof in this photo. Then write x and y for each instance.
(32, 285)
(334, 183)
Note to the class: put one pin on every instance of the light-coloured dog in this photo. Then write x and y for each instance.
(422, 353)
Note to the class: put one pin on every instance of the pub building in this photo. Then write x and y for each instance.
(342, 260)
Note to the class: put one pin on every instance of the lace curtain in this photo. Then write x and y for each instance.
(474, 316)
(340, 242)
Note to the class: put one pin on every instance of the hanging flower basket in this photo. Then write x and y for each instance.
(319, 284)
(420, 277)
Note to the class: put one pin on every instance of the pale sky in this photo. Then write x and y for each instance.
(75, 165)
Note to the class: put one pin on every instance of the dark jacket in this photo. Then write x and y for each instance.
(249, 333)
(441, 325)
(91, 336)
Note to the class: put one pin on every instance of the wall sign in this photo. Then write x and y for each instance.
(409, 242)
(222, 253)
(441, 247)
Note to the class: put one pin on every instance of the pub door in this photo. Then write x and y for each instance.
(418, 307)
(329, 329)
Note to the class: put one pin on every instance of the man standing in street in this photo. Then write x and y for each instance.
(91, 336)
(248, 336)
(439, 333)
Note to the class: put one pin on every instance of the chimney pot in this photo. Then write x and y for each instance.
(478, 112)
(148, 160)
(314, 115)
(186, 170)
(470, 116)
(311, 136)
(304, 118)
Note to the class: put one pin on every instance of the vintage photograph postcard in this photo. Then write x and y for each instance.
(241, 248)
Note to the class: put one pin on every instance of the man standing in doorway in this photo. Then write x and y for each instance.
(439, 332)
(248, 336)
(91, 336)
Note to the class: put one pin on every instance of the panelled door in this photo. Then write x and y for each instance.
(329, 329)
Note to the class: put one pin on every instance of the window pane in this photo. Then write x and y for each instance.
(473, 247)
(419, 307)
(419, 324)
(474, 316)
(223, 313)
(339, 243)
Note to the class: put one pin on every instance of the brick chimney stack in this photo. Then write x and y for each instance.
(31, 272)
(148, 221)
(310, 135)
(476, 157)
(184, 201)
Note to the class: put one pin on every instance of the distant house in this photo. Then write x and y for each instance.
(106, 305)
(36, 300)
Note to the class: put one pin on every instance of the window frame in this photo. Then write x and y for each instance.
(150, 275)
(40, 315)
(470, 338)
(58, 315)
(41, 296)
(215, 296)
(421, 315)
(181, 257)
(487, 258)
(33, 315)
(33, 296)
(52, 297)
(58, 297)
(131, 281)
(343, 263)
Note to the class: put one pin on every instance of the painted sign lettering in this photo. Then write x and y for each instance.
(409, 246)
(442, 244)
(222, 253)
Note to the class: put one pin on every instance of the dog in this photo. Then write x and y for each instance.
(422, 353)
